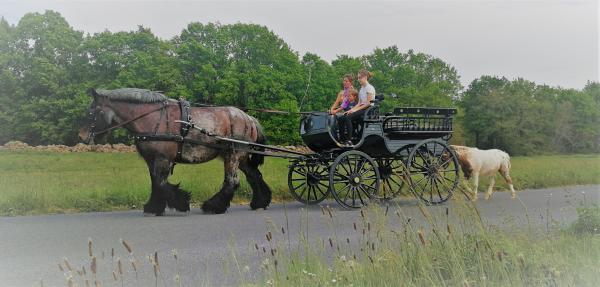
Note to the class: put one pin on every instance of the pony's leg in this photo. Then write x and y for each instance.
(476, 183)
(261, 193)
(491, 187)
(220, 202)
(506, 176)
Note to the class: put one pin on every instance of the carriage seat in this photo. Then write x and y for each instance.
(372, 114)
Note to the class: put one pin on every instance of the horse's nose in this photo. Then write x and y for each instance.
(84, 135)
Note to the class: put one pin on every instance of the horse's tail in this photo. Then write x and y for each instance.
(258, 159)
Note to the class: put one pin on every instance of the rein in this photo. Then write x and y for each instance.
(94, 133)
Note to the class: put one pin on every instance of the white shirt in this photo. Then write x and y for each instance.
(362, 94)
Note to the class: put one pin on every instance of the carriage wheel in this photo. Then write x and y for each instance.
(393, 173)
(308, 182)
(392, 181)
(353, 179)
(433, 170)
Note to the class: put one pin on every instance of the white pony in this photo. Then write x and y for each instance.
(475, 162)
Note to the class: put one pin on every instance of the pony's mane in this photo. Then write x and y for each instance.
(133, 95)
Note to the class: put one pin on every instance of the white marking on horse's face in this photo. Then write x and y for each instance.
(109, 116)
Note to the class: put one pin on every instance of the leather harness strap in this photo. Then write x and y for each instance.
(186, 125)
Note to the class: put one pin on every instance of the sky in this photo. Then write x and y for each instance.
(553, 42)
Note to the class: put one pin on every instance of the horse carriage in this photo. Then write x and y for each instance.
(406, 150)
(403, 151)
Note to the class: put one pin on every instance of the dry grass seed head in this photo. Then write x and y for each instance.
(421, 237)
(119, 266)
(127, 246)
(93, 265)
(67, 264)
(90, 244)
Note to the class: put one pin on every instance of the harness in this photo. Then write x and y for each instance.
(186, 124)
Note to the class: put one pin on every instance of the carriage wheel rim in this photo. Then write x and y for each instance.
(308, 183)
(390, 171)
(353, 178)
(434, 179)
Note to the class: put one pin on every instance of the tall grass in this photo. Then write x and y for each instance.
(45, 182)
(437, 253)
(451, 247)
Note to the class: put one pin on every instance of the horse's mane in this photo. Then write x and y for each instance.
(132, 95)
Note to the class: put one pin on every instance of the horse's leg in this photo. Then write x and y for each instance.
(176, 197)
(491, 187)
(220, 202)
(261, 193)
(156, 204)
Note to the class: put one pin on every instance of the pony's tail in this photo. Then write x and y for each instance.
(257, 160)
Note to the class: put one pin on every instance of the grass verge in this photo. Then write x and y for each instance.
(45, 182)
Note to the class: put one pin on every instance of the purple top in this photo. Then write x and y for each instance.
(346, 100)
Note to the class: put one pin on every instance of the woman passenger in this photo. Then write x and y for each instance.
(365, 96)
(341, 102)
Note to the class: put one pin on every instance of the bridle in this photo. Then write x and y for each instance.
(93, 119)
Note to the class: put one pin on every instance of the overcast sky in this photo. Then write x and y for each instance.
(546, 41)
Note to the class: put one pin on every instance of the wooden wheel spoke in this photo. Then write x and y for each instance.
(349, 170)
(300, 185)
(360, 168)
(391, 178)
(359, 197)
(437, 188)
(298, 172)
(303, 191)
(324, 185)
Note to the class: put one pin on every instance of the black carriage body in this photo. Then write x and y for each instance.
(379, 136)
(404, 150)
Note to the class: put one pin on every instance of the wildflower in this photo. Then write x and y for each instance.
(265, 263)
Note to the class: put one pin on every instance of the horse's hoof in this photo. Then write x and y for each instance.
(211, 208)
(149, 214)
(152, 210)
(262, 205)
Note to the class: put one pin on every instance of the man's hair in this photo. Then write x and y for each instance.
(364, 73)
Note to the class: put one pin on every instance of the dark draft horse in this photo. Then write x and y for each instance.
(144, 112)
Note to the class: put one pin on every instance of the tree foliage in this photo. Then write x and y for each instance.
(46, 67)
(524, 118)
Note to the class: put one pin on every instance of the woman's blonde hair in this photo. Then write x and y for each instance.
(364, 73)
(348, 77)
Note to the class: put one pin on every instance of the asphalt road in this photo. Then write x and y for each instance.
(31, 247)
